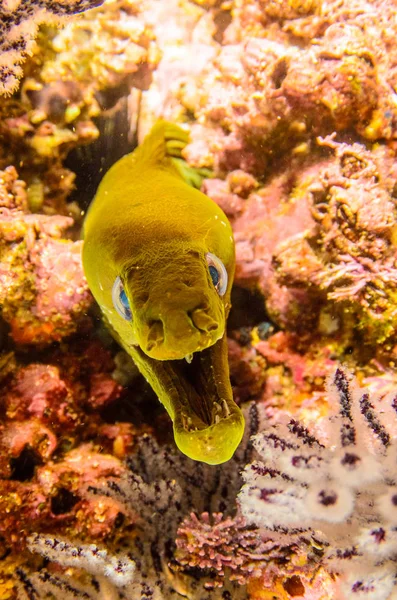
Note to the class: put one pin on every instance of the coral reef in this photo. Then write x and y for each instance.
(285, 73)
(55, 440)
(74, 76)
(311, 499)
(19, 21)
(160, 487)
(270, 88)
(350, 253)
(292, 105)
(43, 292)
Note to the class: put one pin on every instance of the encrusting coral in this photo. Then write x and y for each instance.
(350, 253)
(323, 238)
(43, 292)
(54, 441)
(288, 71)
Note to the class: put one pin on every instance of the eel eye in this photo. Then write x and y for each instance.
(120, 300)
(218, 273)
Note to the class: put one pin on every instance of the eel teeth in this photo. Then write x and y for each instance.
(226, 408)
(189, 358)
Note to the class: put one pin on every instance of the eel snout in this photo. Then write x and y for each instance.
(208, 424)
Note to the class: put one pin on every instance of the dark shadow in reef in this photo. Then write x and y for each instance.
(248, 309)
(91, 162)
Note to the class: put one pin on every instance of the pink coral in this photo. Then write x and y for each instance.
(264, 95)
(38, 391)
(230, 549)
(54, 444)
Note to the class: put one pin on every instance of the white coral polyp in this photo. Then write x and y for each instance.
(387, 505)
(355, 468)
(380, 542)
(275, 504)
(376, 585)
(329, 501)
(304, 466)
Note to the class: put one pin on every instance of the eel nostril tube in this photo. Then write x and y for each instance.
(203, 321)
(156, 335)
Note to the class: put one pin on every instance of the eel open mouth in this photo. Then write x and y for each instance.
(208, 424)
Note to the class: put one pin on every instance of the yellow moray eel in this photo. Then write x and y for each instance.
(159, 259)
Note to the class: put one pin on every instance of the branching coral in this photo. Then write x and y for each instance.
(19, 21)
(118, 569)
(230, 549)
(339, 492)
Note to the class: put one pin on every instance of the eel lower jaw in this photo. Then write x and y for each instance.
(208, 424)
(213, 444)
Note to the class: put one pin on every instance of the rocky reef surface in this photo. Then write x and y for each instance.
(292, 111)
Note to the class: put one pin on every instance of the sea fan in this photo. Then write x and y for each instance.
(340, 495)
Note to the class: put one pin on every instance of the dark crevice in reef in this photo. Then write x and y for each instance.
(248, 309)
(24, 465)
(63, 502)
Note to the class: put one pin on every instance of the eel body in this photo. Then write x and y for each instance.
(159, 259)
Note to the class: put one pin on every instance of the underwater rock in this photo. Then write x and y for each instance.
(285, 73)
(54, 443)
(320, 237)
(269, 215)
(183, 34)
(350, 253)
(108, 48)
